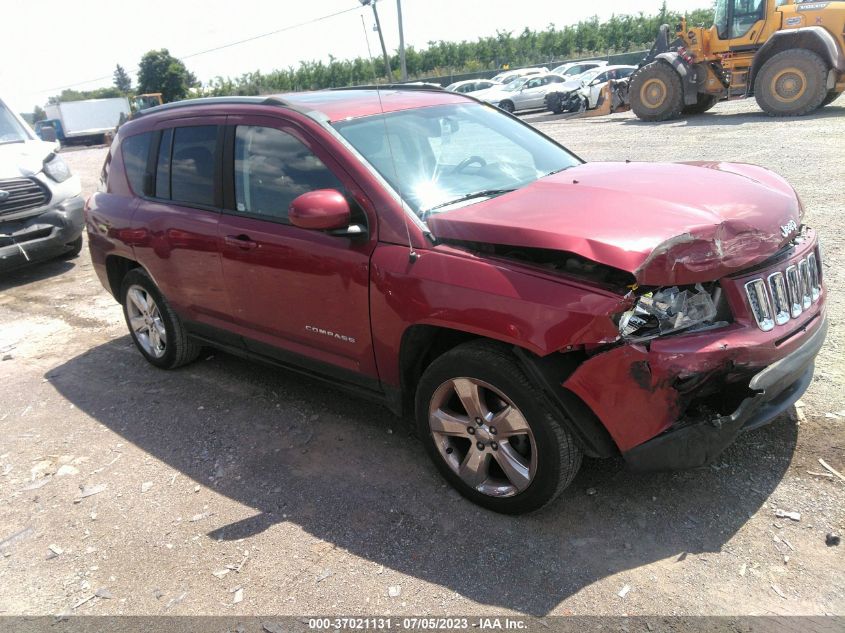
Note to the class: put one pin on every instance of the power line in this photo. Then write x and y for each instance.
(216, 48)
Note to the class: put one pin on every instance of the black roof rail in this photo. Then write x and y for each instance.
(392, 87)
(175, 105)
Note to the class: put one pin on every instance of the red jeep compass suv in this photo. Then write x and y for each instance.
(429, 251)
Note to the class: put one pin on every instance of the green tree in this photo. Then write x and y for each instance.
(121, 79)
(38, 114)
(160, 72)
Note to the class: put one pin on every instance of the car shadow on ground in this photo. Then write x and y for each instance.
(348, 473)
(38, 271)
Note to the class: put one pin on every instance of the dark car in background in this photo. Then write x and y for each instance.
(427, 251)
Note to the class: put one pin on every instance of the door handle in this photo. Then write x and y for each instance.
(241, 241)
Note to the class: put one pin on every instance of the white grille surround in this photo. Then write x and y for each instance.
(784, 295)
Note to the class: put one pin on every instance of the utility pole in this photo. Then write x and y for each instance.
(372, 3)
(403, 67)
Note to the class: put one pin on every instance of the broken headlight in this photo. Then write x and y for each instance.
(667, 310)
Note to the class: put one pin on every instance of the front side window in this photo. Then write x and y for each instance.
(192, 165)
(272, 168)
(136, 150)
(441, 157)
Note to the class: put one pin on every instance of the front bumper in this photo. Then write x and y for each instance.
(775, 389)
(40, 237)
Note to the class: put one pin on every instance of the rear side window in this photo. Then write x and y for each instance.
(135, 151)
(191, 165)
(272, 168)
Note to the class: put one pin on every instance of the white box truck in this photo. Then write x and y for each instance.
(84, 121)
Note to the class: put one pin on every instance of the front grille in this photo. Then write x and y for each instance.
(784, 295)
(21, 194)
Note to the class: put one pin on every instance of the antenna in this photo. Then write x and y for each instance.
(412, 254)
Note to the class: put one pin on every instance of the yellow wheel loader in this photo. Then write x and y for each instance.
(789, 54)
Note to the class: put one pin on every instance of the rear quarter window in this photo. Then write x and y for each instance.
(136, 150)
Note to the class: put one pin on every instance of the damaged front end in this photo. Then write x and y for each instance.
(697, 365)
(667, 310)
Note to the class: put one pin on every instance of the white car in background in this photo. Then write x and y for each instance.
(510, 75)
(571, 70)
(472, 85)
(40, 200)
(524, 93)
(582, 92)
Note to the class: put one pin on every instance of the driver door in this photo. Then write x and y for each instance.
(298, 295)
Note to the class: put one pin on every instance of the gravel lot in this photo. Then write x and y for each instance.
(227, 474)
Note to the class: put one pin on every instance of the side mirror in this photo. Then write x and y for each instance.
(322, 210)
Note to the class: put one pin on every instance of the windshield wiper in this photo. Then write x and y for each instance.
(486, 193)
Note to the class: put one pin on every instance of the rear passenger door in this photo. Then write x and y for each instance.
(179, 211)
(299, 295)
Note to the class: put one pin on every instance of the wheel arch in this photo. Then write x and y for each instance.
(423, 344)
(813, 38)
(117, 267)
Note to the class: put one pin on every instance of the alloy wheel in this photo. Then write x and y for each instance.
(483, 437)
(145, 321)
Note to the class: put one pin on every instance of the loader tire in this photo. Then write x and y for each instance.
(705, 102)
(830, 98)
(791, 83)
(656, 92)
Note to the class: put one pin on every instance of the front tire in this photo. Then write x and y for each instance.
(156, 329)
(656, 92)
(791, 83)
(74, 248)
(491, 433)
(507, 106)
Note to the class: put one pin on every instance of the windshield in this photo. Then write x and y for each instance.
(448, 154)
(590, 74)
(11, 131)
(515, 85)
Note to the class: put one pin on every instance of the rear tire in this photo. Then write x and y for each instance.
(156, 329)
(791, 83)
(518, 467)
(656, 92)
(830, 98)
(74, 248)
(507, 106)
(705, 102)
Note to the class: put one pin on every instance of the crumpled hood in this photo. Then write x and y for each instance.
(665, 223)
(23, 159)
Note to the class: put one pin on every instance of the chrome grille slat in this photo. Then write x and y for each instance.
(23, 194)
(785, 295)
(793, 284)
(780, 300)
(804, 273)
(815, 285)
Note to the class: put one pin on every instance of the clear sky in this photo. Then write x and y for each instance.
(52, 44)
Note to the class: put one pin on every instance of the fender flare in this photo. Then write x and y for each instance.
(689, 80)
(813, 38)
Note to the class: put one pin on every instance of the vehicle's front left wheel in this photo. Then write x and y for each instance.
(155, 328)
(490, 431)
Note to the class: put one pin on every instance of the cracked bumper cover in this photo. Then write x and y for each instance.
(777, 388)
(41, 236)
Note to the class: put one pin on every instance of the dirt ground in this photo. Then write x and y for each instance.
(128, 490)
